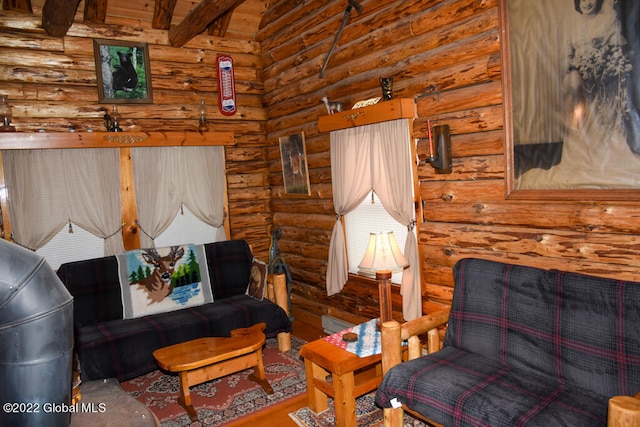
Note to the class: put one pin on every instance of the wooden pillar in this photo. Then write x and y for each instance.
(4, 206)
(130, 232)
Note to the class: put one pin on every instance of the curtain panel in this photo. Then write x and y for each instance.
(167, 177)
(374, 157)
(49, 188)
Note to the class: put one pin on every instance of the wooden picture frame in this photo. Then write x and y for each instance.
(571, 97)
(295, 172)
(123, 72)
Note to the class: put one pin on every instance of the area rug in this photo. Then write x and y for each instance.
(226, 399)
(368, 414)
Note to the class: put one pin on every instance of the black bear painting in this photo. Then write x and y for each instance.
(122, 71)
(125, 76)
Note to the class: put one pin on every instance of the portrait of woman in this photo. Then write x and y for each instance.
(590, 105)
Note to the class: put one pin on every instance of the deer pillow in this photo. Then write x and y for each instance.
(157, 280)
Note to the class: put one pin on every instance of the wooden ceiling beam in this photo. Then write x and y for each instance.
(163, 14)
(57, 16)
(95, 10)
(220, 26)
(21, 5)
(198, 19)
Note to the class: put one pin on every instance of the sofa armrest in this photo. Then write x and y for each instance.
(393, 334)
(624, 411)
(277, 292)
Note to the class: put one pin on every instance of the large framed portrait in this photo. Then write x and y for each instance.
(571, 74)
(295, 171)
(122, 71)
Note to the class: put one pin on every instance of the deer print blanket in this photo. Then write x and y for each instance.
(158, 280)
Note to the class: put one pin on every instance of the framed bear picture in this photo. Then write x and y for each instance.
(122, 71)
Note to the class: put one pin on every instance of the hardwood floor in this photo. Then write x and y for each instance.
(279, 414)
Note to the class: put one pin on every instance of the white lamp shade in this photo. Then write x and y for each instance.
(383, 253)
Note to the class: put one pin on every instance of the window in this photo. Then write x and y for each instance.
(80, 245)
(76, 246)
(186, 228)
(370, 217)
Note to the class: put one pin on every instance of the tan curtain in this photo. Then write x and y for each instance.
(392, 180)
(204, 186)
(351, 177)
(167, 177)
(48, 188)
(374, 157)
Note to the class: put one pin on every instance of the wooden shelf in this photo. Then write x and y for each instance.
(401, 108)
(44, 140)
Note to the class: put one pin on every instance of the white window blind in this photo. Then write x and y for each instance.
(81, 245)
(370, 218)
(184, 229)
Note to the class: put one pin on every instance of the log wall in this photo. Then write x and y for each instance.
(445, 54)
(51, 84)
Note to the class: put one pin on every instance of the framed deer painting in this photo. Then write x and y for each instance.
(294, 164)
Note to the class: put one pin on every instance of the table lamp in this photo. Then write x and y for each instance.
(382, 256)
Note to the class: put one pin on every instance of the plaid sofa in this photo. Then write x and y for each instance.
(109, 346)
(525, 347)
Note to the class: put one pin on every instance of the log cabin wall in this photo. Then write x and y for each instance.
(51, 84)
(445, 54)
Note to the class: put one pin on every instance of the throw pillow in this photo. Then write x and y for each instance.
(158, 280)
(257, 280)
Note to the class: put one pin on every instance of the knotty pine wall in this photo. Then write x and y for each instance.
(446, 55)
(51, 83)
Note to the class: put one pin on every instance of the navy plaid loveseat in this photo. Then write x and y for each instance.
(525, 347)
(109, 346)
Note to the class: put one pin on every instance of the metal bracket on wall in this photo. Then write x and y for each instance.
(440, 152)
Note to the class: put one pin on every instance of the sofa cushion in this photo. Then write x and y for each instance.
(123, 348)
(95, 287)
(229, 267)
(574, 329)
(456, 388)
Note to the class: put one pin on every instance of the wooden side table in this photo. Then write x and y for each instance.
(351, 377)
(205, 359)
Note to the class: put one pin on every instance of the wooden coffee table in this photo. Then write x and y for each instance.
(351, 377)
(205, 359)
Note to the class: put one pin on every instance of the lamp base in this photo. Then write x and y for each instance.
(9, 128)
(384, 289)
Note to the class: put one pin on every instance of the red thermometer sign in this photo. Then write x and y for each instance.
(226, 86)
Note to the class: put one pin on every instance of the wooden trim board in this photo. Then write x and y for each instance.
(401, 108)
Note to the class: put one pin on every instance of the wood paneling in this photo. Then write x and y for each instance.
(51, 84)
(446, 56)
(443, 54)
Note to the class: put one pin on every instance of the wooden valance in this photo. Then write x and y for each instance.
(45, 140)
(401, 108)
